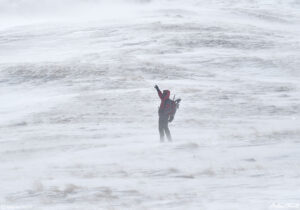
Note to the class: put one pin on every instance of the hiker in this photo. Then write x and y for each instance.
(166, 113)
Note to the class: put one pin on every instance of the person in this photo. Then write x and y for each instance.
(166, 113)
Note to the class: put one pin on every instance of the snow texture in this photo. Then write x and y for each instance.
(78, 111)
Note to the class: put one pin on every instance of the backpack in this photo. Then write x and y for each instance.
(171, 107)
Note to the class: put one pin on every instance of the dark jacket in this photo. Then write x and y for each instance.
(166, 108)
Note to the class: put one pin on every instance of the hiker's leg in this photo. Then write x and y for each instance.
(167, 130)
(161, 129)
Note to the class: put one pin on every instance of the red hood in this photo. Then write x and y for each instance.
(167, 94)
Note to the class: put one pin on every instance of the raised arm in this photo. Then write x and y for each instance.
(158, 91)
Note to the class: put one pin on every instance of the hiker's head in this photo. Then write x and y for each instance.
(166, 94)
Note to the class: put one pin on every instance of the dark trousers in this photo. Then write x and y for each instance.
(164, 128)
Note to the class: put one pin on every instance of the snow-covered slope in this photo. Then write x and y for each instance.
(78, 111)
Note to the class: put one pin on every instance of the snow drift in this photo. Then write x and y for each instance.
(78, 111)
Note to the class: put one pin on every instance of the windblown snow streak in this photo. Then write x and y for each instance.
(78, 111)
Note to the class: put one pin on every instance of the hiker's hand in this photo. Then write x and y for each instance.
(171, 118)
(156, 87)
(178, 100)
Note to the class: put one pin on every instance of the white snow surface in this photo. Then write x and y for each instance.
(78, 111)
